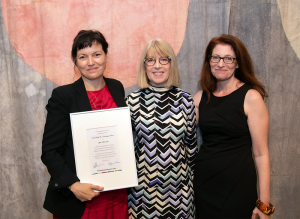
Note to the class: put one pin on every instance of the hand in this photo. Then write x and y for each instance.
(84, 191)
(258, 214)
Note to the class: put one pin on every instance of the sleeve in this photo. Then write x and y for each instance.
(54, 143)
(191, 135)
(127, 101)
(122, 90)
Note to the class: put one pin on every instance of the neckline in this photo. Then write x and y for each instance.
(229, 93)
(159, 89)
(95, 91)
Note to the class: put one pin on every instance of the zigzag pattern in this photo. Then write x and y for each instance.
(164, 121)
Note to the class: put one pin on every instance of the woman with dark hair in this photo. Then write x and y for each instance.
(66, 196)
(234, 123)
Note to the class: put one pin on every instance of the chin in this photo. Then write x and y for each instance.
(223, 79)
(160, 84)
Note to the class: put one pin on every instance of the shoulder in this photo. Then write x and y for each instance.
(61, 98)
(197, 97)
(183, 93)
(110, 82)
(253, 96)
(113, 81)
(65, 90)
(185, 98)
(254, 103)
(134, 95)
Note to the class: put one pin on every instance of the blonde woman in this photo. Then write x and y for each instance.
(163, 118)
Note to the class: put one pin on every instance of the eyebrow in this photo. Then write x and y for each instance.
(85, 54)
(223, 56)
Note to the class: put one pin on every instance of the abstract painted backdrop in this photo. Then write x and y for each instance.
(35, 44)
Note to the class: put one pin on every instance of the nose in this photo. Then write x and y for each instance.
(90, 60)
(157, 64)
(221, 63)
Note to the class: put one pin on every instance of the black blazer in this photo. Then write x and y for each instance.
(57, 145)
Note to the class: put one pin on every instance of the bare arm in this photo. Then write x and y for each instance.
(197, 99)
(258, 122)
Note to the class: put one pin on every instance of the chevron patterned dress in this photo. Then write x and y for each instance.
(164, 121)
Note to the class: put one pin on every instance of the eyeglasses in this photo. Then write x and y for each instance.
(227, 59)
(162, 61)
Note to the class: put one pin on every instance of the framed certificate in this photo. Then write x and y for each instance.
(103, 148)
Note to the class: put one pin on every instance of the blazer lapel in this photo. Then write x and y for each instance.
(116, 93)
(81, 97)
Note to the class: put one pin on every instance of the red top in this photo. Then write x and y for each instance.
(101, 98)
(110, 204)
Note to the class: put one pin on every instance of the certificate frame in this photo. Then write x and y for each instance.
(119, 119)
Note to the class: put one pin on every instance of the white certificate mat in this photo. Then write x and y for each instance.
(103, 148)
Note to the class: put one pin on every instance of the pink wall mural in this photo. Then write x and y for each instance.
(42, 32)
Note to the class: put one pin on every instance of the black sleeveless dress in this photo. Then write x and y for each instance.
(225, 175)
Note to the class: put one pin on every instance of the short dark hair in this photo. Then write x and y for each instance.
(244, 73)
(85, 38)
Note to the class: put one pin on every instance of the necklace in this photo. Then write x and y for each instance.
(96, 99)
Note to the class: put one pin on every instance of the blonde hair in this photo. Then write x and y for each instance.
(164, 49)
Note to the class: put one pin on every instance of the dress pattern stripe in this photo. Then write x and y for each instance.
(164, 122)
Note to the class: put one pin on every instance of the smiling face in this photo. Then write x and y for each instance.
(222, 71)
(91, 62)
(157, 74)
